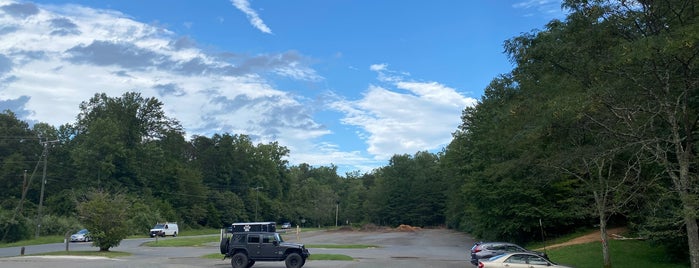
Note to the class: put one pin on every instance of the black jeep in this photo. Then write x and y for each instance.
(259, 241)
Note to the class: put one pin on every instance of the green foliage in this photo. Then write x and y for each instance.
(103, 214)
(410, 190)
(15, 229)
(54, 224)
(142, 217)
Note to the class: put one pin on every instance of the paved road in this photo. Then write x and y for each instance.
(425, 248)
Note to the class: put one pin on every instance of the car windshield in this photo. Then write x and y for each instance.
(83, 231)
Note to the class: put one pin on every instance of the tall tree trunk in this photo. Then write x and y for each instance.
(692, 233)
(601, 201)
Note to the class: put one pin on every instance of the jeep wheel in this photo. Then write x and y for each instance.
(239, 260)
(294, 260)
(224, 245)
(251, 263)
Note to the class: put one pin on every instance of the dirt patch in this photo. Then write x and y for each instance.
(407, 228)
(591, 237)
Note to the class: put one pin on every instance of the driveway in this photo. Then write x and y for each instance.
(423, 248)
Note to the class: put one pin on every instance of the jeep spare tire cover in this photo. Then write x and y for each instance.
(224, 245)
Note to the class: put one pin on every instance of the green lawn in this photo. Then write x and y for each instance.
(92, 253)
(624, 253)
(34, 241)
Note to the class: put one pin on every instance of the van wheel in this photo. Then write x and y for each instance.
(174, 235)
(294, 260)
(239, 260)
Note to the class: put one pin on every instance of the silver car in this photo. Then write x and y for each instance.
(81, 236)
(518, 259)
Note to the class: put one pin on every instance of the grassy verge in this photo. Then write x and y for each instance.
(34, 241)
(351, 246)
(624, 253)
(107, 254)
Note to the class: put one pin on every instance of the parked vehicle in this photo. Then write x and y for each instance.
(81, 236)
(259, 241)
(485, 250)
(518, 259)
(286, 225)
(163, 229)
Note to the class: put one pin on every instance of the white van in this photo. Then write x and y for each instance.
(163, 229)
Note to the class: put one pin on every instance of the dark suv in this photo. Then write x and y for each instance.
(485, 250)
(259, 241)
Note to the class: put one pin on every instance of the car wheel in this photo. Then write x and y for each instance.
(224, 245)
(294, 260)
(239, 260)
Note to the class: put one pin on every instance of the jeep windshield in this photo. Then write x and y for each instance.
(278, 237)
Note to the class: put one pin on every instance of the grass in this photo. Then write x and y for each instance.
(107, 254)
(623, 253)
(34, 241)
(350, 246)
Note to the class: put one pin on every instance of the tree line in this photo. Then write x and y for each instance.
(594, 126)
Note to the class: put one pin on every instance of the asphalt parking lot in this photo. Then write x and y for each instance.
(422, 248)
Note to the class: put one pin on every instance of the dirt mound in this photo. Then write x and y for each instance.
(591, 237)
(407, 228)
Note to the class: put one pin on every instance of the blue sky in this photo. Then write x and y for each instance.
(341, 82)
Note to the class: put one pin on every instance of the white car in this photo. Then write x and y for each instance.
(518, 260)
(81, 236)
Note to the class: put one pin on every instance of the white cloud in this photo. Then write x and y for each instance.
(255, 20)
(378, 67)
(54, 57)
(421, 118)
(545, 7)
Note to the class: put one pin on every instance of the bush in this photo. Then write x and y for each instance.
(59, 225)
(103, 214)
(14, 230)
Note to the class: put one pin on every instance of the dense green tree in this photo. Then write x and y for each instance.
(103, 214)
(410, 190)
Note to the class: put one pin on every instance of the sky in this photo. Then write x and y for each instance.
(337, 82)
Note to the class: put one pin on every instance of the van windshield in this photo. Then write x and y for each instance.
(159, 226)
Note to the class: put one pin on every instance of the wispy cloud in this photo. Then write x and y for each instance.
(404, 116)
(545, 7)
(255, 20)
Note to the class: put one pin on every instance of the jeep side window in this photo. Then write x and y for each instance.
(253, 239)
(238, 238)
(267, 238)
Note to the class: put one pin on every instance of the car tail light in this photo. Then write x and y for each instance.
(476, 249)
(481, 265)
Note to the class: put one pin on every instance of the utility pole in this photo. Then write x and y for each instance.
(337, 211)
(257, 199)
(43, 184)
